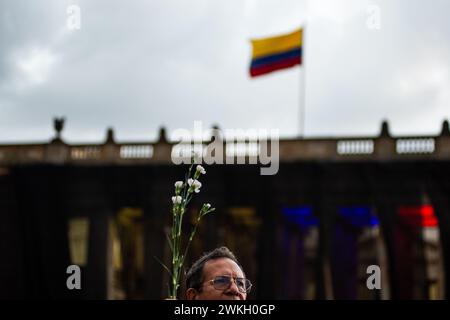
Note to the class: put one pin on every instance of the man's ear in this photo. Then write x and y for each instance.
(191, 294)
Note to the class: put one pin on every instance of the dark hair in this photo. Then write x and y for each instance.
(194, 276)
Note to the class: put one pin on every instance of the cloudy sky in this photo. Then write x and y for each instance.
(140, 64)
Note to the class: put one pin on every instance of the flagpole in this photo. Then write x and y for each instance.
(302, 91)
(302, 99)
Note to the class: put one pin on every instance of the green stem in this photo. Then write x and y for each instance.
(177, 260)
(194, 230)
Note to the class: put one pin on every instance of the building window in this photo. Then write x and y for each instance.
(78, 240)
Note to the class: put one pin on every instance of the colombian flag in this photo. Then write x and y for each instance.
(276, 53)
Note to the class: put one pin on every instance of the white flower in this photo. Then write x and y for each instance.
(179, 184)
(177, 199)
(201, 169)
(195, 184)
(207, 206)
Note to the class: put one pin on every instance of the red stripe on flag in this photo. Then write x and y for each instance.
(254, 72)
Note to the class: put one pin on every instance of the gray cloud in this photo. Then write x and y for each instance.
(138, 65)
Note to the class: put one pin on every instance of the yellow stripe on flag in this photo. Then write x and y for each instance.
(274, 45)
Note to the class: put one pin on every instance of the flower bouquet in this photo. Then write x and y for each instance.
(184, 192)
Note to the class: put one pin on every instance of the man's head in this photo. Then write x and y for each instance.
(217, 275)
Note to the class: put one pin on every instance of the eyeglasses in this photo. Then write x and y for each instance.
(224, 282)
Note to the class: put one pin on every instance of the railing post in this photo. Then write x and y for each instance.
(162, 150)
(443, 142)
(384, 144)
(57, 152)
(110, 151)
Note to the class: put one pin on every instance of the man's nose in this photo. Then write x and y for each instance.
(233, 287)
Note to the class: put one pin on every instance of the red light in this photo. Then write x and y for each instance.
(420, 216)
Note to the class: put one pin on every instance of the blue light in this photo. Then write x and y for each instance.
(359, 216)
(302, 216)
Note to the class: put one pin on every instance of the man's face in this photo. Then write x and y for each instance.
(212, 269)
